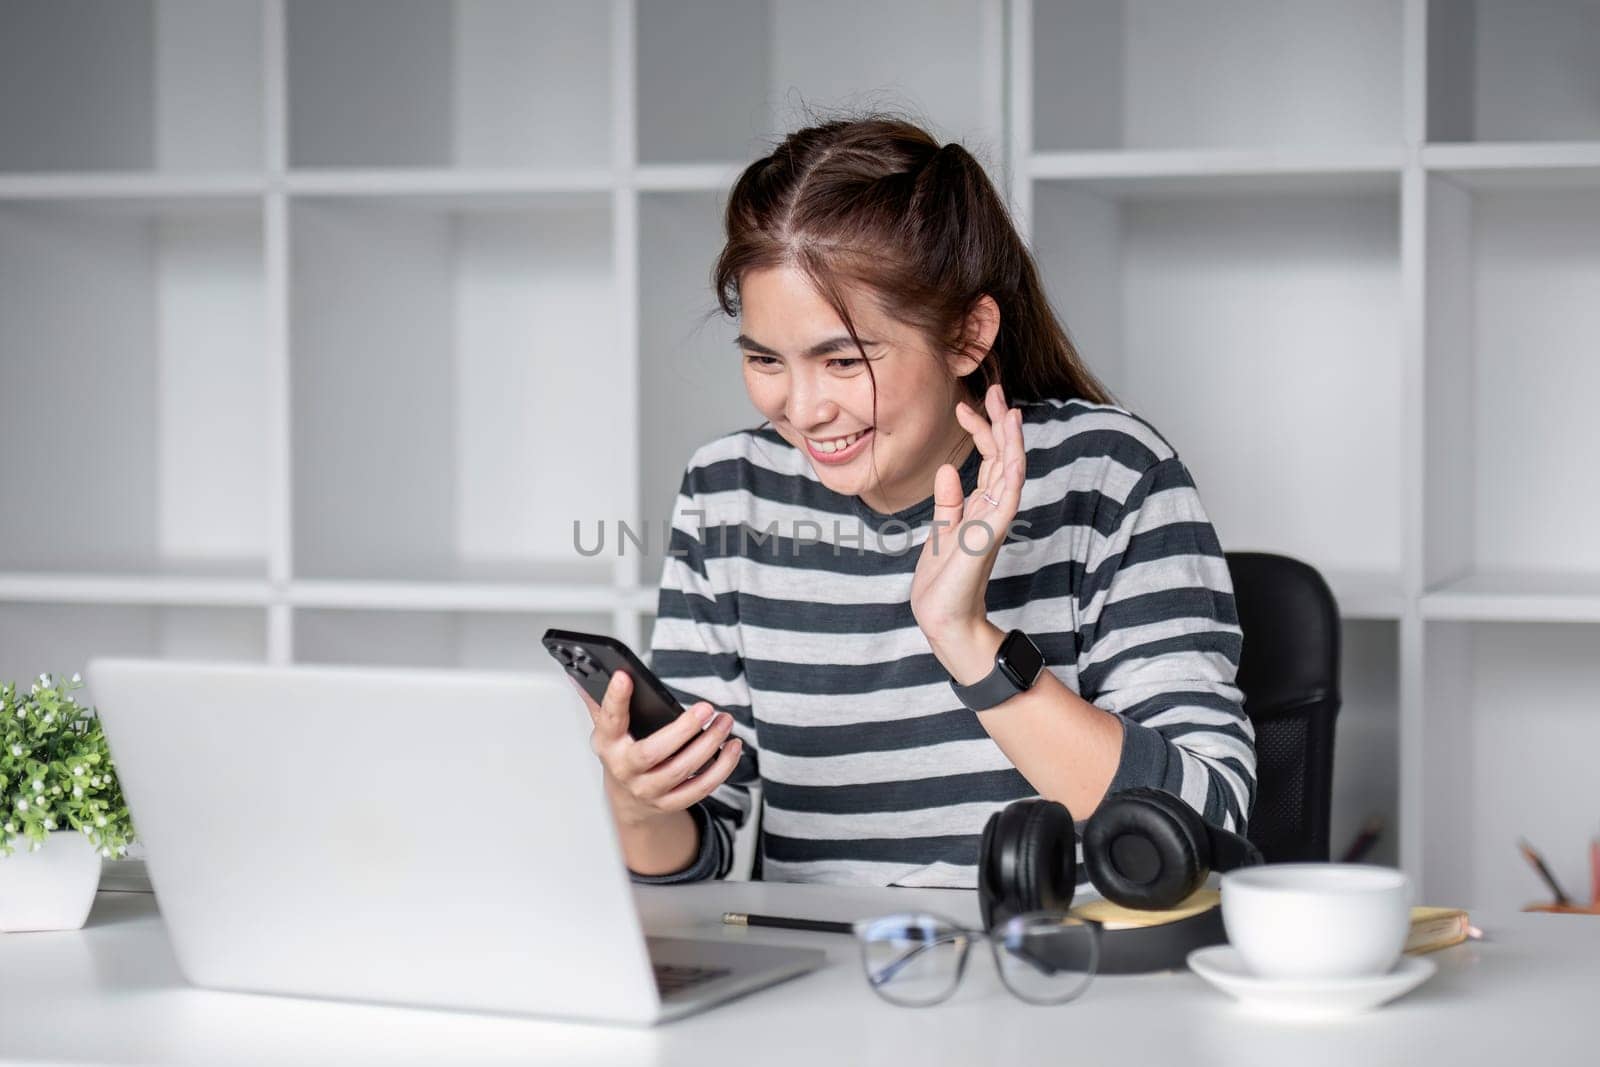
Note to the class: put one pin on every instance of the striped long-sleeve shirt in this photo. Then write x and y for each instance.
(789, 606)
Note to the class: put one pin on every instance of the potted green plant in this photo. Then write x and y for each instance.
(61, 807)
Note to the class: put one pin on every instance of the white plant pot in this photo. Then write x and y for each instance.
(51, 889)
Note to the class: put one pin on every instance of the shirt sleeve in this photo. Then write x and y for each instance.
(1159, 643)
(696, 651)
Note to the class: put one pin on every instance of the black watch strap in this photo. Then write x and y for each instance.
(1016, 666)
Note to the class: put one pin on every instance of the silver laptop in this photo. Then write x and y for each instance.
(421, 837)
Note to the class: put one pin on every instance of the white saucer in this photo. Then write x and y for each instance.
(1307, 998)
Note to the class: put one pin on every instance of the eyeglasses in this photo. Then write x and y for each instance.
(916, 960)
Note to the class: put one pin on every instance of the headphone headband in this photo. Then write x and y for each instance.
(1230, 850)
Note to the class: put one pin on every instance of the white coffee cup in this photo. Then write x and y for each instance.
(1317, 920)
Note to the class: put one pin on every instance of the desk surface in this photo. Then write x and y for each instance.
(111, 993)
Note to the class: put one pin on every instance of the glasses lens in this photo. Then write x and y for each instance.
(1045, 957)
(912, 960)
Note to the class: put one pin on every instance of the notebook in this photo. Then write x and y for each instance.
(1436, 928)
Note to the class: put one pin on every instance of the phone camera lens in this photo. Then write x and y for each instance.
(562, 655)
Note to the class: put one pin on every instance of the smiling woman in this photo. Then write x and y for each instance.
(941, 491)
(824, 397)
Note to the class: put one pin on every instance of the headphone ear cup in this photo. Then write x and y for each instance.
(1016, 858)
(1047, 858)
(1027, 860)
(989, 871)
(998, 861)
(1033, 865)
(1145, 848)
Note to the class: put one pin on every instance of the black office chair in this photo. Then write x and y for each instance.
(1289, 672)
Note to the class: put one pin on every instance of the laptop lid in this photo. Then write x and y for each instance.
(424, 837)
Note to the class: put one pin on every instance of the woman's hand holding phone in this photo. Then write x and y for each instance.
(654, 776)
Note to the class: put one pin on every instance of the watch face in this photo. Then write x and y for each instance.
(1020, 658)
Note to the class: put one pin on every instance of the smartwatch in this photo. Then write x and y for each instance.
(1016, 666)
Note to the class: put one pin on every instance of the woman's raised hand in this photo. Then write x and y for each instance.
(656, 776)
(947, 590)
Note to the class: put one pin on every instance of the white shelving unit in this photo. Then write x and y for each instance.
(1345, 255)
(322, 321)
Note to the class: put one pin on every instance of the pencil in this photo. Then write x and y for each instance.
(1370, 831)
(1544, 872)
(734, 918)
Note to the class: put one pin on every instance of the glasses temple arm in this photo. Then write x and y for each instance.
(895, 966)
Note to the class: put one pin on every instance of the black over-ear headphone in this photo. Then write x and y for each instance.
(1143, 848)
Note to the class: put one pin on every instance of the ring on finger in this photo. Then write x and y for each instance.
(992, 501)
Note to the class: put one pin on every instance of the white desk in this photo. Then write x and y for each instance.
(111, 993)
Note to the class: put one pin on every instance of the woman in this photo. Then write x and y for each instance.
(841, 579)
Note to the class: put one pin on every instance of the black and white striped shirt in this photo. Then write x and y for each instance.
(789, 606)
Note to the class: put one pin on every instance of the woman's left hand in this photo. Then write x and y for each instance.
(947, 589)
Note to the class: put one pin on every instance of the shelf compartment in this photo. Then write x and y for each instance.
(138, 440)
(1511, 735)
(471, 83)
(61, 639)
(1366, 750)
(691, 386)
(1512, 316)
(1261, 335)
(1157, 74)
(151, 85)
(1513, 70)
(720, 80)
(471, 640)
(449, 383)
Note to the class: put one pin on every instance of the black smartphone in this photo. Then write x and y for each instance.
(589, 660)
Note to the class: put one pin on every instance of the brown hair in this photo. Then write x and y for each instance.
(877, 202)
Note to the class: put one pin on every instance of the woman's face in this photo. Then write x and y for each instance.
(806, 376)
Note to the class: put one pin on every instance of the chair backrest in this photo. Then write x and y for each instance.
(1289, 673)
